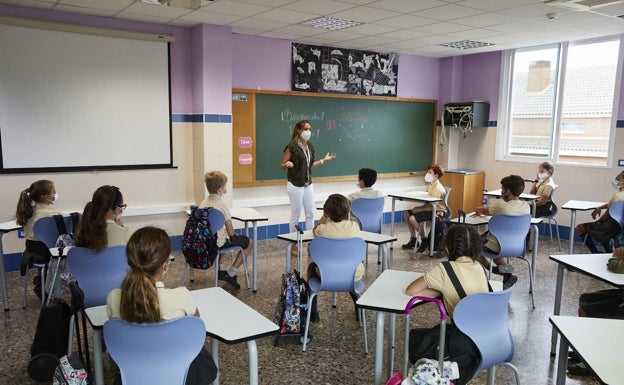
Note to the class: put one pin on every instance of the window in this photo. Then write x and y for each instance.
(557, 102)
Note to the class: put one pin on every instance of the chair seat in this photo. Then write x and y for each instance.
(315, 285)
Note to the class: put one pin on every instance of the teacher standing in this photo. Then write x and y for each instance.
(299, 160)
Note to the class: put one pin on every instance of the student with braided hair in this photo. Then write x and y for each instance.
(463, 247)
(144, 298)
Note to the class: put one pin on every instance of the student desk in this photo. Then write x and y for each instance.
(5, 227)
(525, 197)
(246, 215)
(588, 337)
(240, 323)
(380, 240)
(574, 206)
(592, 265)
(418, 196)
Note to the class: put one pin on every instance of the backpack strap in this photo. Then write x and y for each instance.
(75, 218)
(488, 281)
(60, 224)
(454, 280)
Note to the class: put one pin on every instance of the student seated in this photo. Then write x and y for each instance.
(335, 223)
(510, 204)
(543, 186)
(144, 298)
(422, 213)
(605, 228)
(101, 225)
(366, 179)
(35, 202)
(226, 237)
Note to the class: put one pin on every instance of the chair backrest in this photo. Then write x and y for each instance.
(46, 231)
(369, 211)
(154, 353)
(510, 231)
(483, 317)
(616, 211)
(337, 261)
(554, 209)
(449, 212)
(216, 219)
(97, 273)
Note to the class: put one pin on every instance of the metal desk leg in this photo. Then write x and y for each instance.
(288, 256)
(253, 362)
(392, 217)
(5, 293)
(391, 333)
(535, 235)
(214, 352)
(98, 369)
(379, 338)
(255, 255)
(385, 256)
(572, 229)
(557, 309)
(562, 361)
(432, 232)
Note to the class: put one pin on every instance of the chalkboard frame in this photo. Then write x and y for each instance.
(245, 122)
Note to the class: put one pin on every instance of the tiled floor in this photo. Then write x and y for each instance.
(336, 355)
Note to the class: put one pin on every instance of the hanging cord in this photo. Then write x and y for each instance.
(443, 138)
(464, 123)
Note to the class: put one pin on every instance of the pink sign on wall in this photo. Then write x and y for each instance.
(245, 159)
(245, 142)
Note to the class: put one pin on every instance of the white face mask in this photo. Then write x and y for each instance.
(358, 184)
(305, 135)
(428, 177)
(55, 198)
(542, 175)
(615, 183)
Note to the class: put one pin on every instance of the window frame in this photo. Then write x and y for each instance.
(503, 137)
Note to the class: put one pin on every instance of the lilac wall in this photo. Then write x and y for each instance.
(450, 80)
(481, 78)
(419, 77)
(260, 63)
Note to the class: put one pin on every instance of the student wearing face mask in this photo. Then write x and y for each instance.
(510, 204)
(299, 160)
(101, 225)
(605, 228)
(422, 213)
(35, 202)
(543, 186)
(216, 182)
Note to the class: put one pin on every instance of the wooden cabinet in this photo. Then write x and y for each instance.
(467, 193)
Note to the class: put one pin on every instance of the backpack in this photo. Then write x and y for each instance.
(50, 342)
(290, 312)
(440, 229)
(59, 276)
(199, 243)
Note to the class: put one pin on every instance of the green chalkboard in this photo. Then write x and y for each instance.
(391, 136)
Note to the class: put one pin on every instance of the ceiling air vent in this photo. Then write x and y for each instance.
(581, 4)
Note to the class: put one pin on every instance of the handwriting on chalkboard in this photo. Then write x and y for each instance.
(293, 117)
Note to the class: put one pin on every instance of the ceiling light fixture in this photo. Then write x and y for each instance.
(330, 23)
(466, 44)
(187, 4)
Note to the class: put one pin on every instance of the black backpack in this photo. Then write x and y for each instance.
(199, 243)
(50, 342)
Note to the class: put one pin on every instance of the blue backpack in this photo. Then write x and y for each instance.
(199, 243)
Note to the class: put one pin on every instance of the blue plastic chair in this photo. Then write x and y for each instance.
(97, 274)
(217, 221)
(483, 317)
(337, 261)
(369, 213)
(154, 353)
(511, 232)
(447, 216)
(552, 217)
(46, 231)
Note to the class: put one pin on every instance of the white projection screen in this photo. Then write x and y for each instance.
(72, 101)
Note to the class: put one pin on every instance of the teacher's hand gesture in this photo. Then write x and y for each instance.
(329, 156)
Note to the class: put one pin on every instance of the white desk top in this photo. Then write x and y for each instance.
(5, 227)
(247, 214)
(485, 219)
(226, 318)
(523, 196)
(420, 196)
(387, 293)
(373, 238)
(581, 205)
(594, 265)
(588, 337)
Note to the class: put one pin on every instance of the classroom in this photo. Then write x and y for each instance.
(210, 63)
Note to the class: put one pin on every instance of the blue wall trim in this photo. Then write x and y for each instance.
(201, 118)
(619, 124)
(492, 123)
